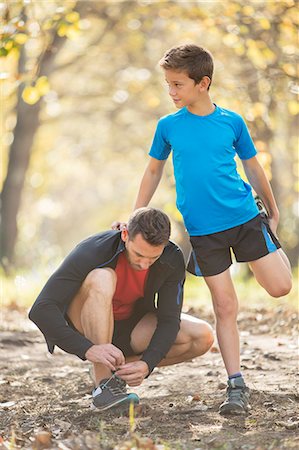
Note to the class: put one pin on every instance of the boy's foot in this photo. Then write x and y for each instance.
(237, 398)
(112, 393)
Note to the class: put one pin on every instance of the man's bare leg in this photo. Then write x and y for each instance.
(194, 339)
(91, 312)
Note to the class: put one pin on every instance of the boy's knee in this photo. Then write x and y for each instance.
(226, 310)
(280, 290)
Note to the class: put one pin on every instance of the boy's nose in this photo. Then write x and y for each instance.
(172, 91)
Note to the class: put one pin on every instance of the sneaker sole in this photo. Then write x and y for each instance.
(233, 411)
(122, 404)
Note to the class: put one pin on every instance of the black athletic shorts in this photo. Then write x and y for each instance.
(211, 254)
(122, 332)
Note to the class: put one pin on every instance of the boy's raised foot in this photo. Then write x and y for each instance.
(237, 398)
(112, 393)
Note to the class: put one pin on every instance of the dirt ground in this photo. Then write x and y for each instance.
(179, 404)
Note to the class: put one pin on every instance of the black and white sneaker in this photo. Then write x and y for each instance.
(111, 393)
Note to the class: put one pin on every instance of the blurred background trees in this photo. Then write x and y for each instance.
(81, 93)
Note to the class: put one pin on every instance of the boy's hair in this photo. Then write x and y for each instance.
(152, 224)
(196, 61)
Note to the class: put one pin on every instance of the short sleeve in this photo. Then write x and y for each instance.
(160, 148)
(243, 144)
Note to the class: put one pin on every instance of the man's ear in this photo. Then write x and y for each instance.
(124, 234)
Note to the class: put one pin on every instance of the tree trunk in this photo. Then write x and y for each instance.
(19, 159)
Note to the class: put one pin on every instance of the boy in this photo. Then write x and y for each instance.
(217, 206)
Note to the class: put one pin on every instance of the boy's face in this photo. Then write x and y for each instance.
(182, 89)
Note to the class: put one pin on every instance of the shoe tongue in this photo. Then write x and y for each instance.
(237, 382)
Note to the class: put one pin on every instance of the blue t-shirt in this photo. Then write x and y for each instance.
(211, 195)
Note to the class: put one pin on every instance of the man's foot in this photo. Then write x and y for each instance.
(112, 393)
(237, 398)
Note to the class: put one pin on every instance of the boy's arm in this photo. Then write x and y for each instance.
(149, 182)
(258, 180)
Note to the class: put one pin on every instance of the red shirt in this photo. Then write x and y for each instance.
(129, 288)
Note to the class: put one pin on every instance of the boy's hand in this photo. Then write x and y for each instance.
(273, 224)
(118, 225)
(133, 373)
(106, 354)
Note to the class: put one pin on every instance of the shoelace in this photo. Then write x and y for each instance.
(118, 388)
(236, 394)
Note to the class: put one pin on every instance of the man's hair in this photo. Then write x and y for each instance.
(196, 61)
(152, 224)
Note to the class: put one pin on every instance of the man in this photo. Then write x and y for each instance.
(116, 301)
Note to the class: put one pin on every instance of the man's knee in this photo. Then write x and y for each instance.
(101, 281)
(199, 334)
(204, 337)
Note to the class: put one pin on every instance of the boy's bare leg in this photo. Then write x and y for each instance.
(273, 273)
(194, 339)
(91, 312)
(225, 305)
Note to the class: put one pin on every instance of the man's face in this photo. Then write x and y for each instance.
(140, 254)
(182, 89)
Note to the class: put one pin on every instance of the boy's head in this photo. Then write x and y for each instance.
(195, 61)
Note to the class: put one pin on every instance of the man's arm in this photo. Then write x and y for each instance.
(258, 180)
(149, 182)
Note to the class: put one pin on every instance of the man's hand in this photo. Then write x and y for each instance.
(107, 354)
(133, 373)
(118, 225)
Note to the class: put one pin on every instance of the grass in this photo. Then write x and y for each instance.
(20, 289)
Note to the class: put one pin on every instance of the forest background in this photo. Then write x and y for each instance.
(81, 93)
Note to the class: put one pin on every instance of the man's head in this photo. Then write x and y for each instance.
(146, 235)
(194, 61)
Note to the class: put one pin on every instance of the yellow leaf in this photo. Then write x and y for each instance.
(62, 30)
(47, 25)
(265, 24)
(42, 85)
(258, 109)
(72, 17)
(73, 31)
(21, 38)
(248, 11)
(9, 45)
(289, 69)
(30, 95)
(230, 40)
(293, 107)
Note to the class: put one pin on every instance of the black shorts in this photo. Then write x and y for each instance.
(211, 254)
(122, 332)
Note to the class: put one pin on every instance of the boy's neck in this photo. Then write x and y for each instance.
(204, 107)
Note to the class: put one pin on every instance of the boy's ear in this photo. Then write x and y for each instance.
(204, 83)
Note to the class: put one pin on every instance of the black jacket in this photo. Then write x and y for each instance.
(163, 294)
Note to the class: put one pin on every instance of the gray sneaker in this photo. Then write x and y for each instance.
(111, 393)
(237, 398)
